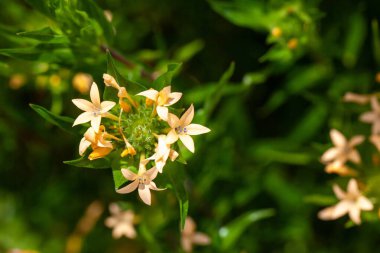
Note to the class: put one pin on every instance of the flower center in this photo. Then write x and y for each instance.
(181, 130)
(144, 180)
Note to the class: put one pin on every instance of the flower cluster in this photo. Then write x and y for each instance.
(141, 129)
(344, 151)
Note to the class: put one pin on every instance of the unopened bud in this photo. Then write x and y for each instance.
(82, 82)
(293, 43)
(276, 32)
(110, 81)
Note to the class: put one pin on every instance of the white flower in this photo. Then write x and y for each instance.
(121, 222)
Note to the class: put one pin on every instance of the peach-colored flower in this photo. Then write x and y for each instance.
(98, 141)
(121, 222)
(340, 169)
(94, 110)
(344, 150)
(375, 140)
(162, 99)
(360, 99)
(163, 152)
(190, 237)
(143, 180)
(183, 129)
(373, 116)
(351, 202)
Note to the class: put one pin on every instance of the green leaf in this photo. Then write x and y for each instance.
(354, 40)
(47, 7)
(176, 176)
(376, 41)
(187, 51)
(166, 78)
(45, 34)
(84, 162)
(231, 232)
(321, 200)
(131, 86)
(149, 238)
(63, 122)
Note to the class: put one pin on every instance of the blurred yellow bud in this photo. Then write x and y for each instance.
(82, 82)
(293, 43)
(17, 81)
(99, 153)
(377, 77)
(125, 106)
(276, 32)
(41, 81)
(55, 81)
(108, 15)
(129, 150)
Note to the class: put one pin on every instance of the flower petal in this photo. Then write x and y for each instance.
(83, 104)
(171, 137)
(329, 155)
(83, 118)
(354, 214)
(129, 188)
(354, 156)
(106, 106)
(341, 209)
(326, 213)
(375, 104)
(339, 193)
(94, 94)
(144, 193)
(153, 186)
(95, 122)
(337, 138)
(162, 112)
(128, 174)
(187, 117)
(201, 239)
(190, 226)
(364, 203)
(187, 244)
(376, 127)
(151, 94)
(368, 117)
(356, 140)
(375, 139)
(196, 129)
(152, 173)
(352, 187)
(83, 145)
(187, 141)
(173, 98)
(173, 120)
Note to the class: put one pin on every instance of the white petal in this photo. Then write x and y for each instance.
(94, 94)
(173, 120)
(354, 156)
(171, 137)
(187, 141)
(353, 188)
(144, 193)
(356, 140)
(376, 127)
(173, 98)
(375, 104)
(83, 145)
(329, 155)
(196, 129)
(129, 188)
(339, 193)
(354, 214)
(337, 138)
(95, 122)
(152, 173)
(364, 203)
(326, 213)
(151, 94)
(83, 104)
(162, 112)
(106, 106)
(173, 155)
(341, 209)
(187, 117)
(83, 118)
(128, 174)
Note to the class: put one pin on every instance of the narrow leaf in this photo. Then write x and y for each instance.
(84, 162)
(166, 78)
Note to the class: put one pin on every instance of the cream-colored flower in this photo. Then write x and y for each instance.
(163, 152)
(351, 202)
(182, 129)
(162, 99)
(94, 110)
(360, 99)
(340, 169)
(98, 141)
(121, 222)
(190, 237)
(375, 140)
(373, 116)
(143, 180)
(344, 150)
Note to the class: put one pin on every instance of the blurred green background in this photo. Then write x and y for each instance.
(289, 64)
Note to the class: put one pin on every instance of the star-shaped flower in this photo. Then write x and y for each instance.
(163, 152)
(94, 110)
(162, 99)
(344, 150)
(373, 116)
(143, 180)
(98, 142)
(183, 129)
(121, 222)
(190, 237)
(351, 202)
